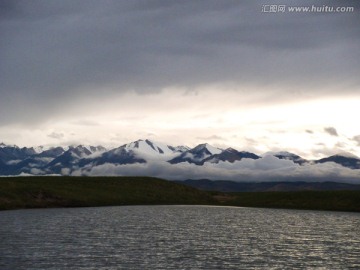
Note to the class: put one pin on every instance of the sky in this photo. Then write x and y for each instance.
(182, 73)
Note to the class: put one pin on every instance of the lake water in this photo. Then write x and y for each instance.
(178, 237)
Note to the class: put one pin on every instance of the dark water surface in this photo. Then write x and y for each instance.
(178, 237)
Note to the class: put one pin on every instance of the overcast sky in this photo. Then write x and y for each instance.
(180, 72)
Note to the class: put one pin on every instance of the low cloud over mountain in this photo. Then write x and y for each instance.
(145, 157)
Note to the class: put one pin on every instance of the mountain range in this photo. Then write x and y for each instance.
(159, 159)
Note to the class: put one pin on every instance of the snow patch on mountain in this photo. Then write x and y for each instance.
(2, 145)
(196, 155)
(39, 149)
(150, 149)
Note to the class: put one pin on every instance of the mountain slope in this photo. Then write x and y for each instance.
(290, 156)
(69, 159)
(162, 160)
(150, 149)
(196, 155)
(11, 153)
(140, 151)
(349, 162)
(117, 156)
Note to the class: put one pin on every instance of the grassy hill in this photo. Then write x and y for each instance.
(38, 192)
(44, 191)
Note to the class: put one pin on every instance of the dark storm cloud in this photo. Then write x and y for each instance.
(53, 53)
(331, 131)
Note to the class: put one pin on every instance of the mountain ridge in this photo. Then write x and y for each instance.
(82, 160)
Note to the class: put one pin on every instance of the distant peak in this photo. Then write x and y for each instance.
(205, 146)
(230, 149)
(200, 146)
(2, 145)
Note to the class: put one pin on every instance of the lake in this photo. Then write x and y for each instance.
(178, 237)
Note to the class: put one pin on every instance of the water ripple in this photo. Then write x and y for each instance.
(178, 237)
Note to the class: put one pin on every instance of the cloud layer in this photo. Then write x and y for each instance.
(108, 72)
(268, 168)
(55, 52)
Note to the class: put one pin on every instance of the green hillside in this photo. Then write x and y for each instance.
(38, 192)
(47, 191)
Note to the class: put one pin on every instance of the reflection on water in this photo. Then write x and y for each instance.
(178, 237)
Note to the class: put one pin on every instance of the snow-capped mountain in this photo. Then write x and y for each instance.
(147, 148)
(196, 155)
(70, 158)
(159, 157)
(140, 151)
(117, 156)
(11, 153)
